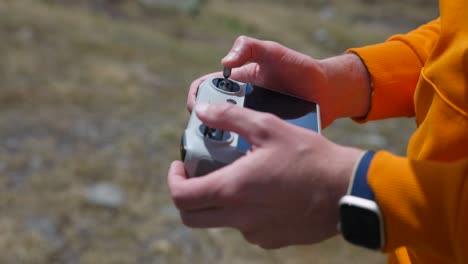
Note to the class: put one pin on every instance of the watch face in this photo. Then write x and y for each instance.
(360, 226)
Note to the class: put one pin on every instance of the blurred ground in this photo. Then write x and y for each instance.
(92, 105)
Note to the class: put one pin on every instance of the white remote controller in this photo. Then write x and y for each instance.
(205, 149)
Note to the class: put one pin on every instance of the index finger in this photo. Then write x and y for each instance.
(257, 127)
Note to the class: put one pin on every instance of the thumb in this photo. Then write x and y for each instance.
(256, 127)
(246, 49)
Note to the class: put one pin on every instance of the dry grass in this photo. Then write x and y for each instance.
(90, 95)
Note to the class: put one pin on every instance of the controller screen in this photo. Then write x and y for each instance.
(292, 109)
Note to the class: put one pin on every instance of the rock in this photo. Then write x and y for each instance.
(321, 35)
(24, 35)
(377, 140)
(48, 230)
(162, 246)
(327, 14)
(104, 194)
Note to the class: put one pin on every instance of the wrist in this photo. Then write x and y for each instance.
(336, 171)
(348, 78)
(347, 158)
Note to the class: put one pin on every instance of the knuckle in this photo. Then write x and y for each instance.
(242, 39)
(263, 238)
(268, 245)
(225, 111)
(187, 220)
(264, 123)
(231, 195)
(214, 193)
(263, 242)
(267, 119)
(247, 43)
(179, 204)
(273, 44)
(179, 197)
(250, 237)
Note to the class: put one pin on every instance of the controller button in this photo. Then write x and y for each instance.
(226, 85)
(183, 150)
(232, 101)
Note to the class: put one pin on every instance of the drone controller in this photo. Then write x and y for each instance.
(205, 149)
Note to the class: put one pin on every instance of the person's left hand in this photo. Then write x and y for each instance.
(284, 191)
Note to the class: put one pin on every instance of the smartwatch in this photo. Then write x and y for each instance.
(361, 221)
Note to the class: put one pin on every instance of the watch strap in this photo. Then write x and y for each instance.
(358, 185)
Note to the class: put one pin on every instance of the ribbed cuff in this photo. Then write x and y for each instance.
(394, 71)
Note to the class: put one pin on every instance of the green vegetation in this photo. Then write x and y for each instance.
(92, 93)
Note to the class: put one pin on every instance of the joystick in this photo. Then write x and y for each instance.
(204, 149)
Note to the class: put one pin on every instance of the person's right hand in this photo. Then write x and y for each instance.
(284, 191)
(339, 84)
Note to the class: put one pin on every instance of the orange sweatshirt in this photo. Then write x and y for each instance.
(424, 196)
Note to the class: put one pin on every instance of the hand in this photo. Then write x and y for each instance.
(339, 84)
(284, 191)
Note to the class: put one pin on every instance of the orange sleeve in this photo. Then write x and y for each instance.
(422, 208)
(394, 67)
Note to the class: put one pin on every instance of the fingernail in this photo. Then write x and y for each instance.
(201, 108)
